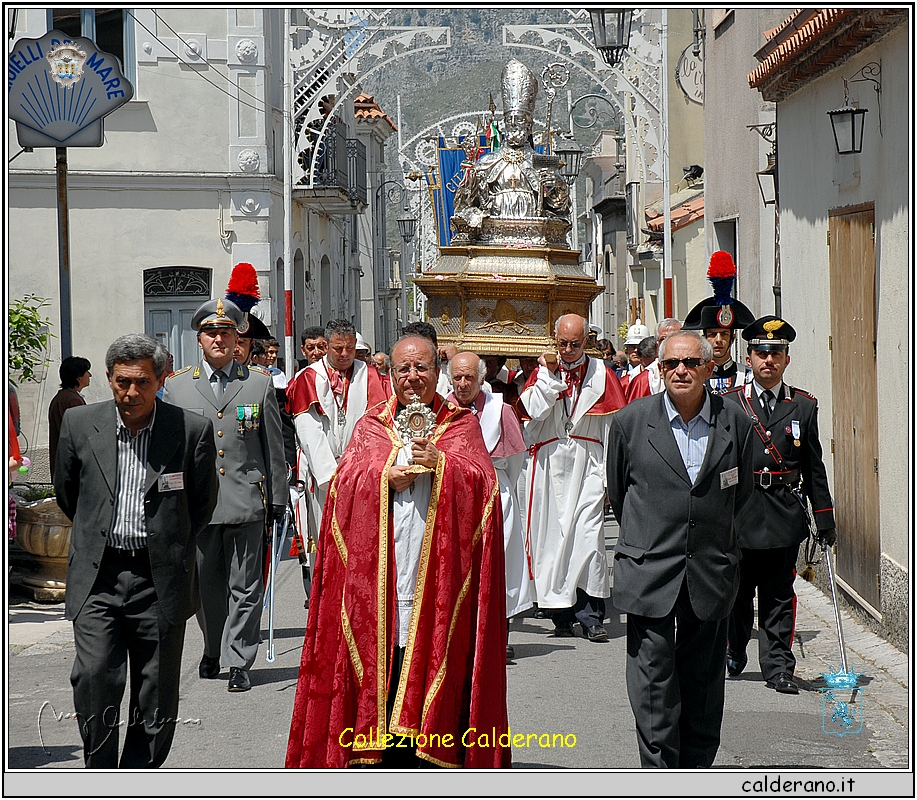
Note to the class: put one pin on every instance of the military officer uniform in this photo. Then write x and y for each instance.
(252, 489)
(789, 470)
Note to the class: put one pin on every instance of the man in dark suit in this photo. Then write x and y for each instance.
(141, 473)
(788, 469)
(240, 402)
(679, 471)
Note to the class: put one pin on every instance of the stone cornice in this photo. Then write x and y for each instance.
(155, 181)
(817, 44)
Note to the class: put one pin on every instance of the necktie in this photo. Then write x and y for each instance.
(218, 384)
(767, 398)
(574, 379)
(336, 379)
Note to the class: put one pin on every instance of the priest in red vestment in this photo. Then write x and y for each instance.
(403, 660)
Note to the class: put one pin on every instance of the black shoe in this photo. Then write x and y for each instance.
(510, 652)
(564, 630)
(238, 680)
(783, 683)
(735, 663)
(209, 667)
(596, 633)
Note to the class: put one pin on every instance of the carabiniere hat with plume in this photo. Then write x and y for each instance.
(244, 292)
(722, 310)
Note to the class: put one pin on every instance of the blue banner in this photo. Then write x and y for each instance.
(451, 173)
(450, 176)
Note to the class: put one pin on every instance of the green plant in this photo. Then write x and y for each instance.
(28, 337)
(30, 492)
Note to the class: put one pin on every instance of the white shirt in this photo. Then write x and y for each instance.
(691, 437)
(777, 391)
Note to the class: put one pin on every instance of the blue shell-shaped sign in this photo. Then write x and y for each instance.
(60, 88)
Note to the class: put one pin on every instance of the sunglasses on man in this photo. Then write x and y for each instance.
(672, 363)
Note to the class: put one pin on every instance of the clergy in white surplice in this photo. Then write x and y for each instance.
(567, 404)
(327, 399)
(503, 440)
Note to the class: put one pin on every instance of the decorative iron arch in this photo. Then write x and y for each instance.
(176, 281)
(370, 48)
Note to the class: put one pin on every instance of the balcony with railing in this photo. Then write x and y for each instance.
(339, 186)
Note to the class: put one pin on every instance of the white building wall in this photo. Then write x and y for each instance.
(814, 179)
(190, 174)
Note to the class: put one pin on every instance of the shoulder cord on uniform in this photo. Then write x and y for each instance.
(811, 544)
(763, 435)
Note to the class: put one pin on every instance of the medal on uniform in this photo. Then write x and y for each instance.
(240, 413)
(248, 417)
(256, 416)
(795, 425)
(342, 417)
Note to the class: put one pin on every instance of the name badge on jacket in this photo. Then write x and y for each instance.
(729, 478)
(171, 482)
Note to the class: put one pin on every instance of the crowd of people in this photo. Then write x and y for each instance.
(438, 493)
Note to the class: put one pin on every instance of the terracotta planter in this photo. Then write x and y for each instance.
(43, 531)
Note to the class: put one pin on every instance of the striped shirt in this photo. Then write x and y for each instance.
(691, 437)
(128, 522)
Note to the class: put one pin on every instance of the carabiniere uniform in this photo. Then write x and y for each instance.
(721, 312)
(788, 470)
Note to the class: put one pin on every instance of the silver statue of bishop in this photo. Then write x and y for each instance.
(515, 182)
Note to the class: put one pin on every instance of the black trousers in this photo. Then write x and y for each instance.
(120, 627)
(398, 757)
(676, 669)
(771, 572)
(587, 610)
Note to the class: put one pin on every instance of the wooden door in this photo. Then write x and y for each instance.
(855, 398)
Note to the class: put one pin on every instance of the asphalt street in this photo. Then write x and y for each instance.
(571, 687)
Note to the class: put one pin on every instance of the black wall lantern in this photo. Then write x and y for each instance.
(611, 29)
(767, 180)
(847, 122)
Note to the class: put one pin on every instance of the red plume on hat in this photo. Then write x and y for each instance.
(722, 276)
(243, 286)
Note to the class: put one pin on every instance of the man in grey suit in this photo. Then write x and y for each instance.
(240, 402)
(679, 470)
(142, 474)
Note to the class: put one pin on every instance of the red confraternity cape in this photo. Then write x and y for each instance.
(452, 694)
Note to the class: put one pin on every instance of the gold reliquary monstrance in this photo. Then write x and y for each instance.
(508, 273)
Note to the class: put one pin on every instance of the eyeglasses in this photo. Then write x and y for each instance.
(562, 345)
(403, 370)
(690, 363)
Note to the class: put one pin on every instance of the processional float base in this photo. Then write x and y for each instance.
(501, 300)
